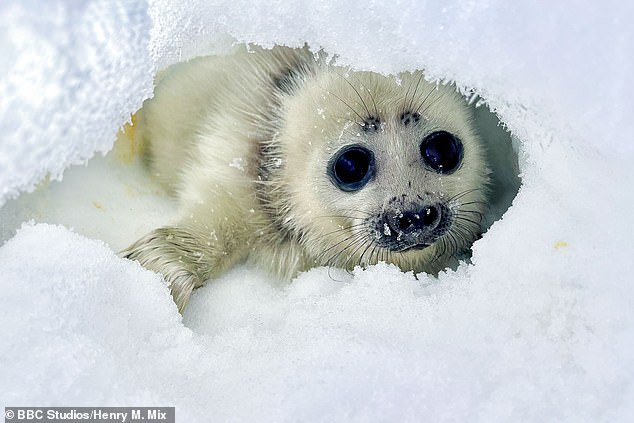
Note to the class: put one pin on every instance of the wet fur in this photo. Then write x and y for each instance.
(243, 142)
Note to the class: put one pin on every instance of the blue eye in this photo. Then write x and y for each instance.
(351, 168)
(442, 152)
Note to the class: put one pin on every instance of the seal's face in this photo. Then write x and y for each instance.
(395, 172)
(401, 224)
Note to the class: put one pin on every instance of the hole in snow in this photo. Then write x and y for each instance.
(120, 209)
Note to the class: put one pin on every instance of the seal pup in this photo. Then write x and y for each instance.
(282, 159)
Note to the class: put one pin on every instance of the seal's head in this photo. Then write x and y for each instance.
(380, 169)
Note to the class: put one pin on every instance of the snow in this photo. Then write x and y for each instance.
(59, 68)
(538, 328)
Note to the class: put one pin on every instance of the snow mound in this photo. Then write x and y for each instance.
(539, 328)
(377, 345)
(59, 70)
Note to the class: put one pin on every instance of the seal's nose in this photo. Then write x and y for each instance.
(411, 222)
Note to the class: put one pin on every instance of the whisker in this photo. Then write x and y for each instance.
(338, 216)
(411, 101)
(436, 100)
(376, 110)
(433, 88)
(331, 277)
(371, 260)
(358, 95)
(484, 203)
(463, 193)
(362, 125)
(458, 217)
(342, 230)
(370, 243)
(365, 241)
(333, 259)
(472, 211)
(323, 253)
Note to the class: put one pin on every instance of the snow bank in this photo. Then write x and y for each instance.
(540, 327)
(59, 69)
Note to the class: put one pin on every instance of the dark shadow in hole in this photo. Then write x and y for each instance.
(503, 159)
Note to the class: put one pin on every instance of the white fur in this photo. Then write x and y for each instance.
(205, 131)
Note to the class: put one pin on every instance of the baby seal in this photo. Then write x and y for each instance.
(284, 160)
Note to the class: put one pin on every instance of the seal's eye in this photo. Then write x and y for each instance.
(441, 151)
(351, 168)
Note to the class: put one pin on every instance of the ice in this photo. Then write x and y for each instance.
(237, 163)
(538, 328)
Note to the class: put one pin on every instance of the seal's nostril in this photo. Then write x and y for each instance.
(430, 214)
(406, 221)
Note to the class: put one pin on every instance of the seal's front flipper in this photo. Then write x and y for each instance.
(175, 254)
